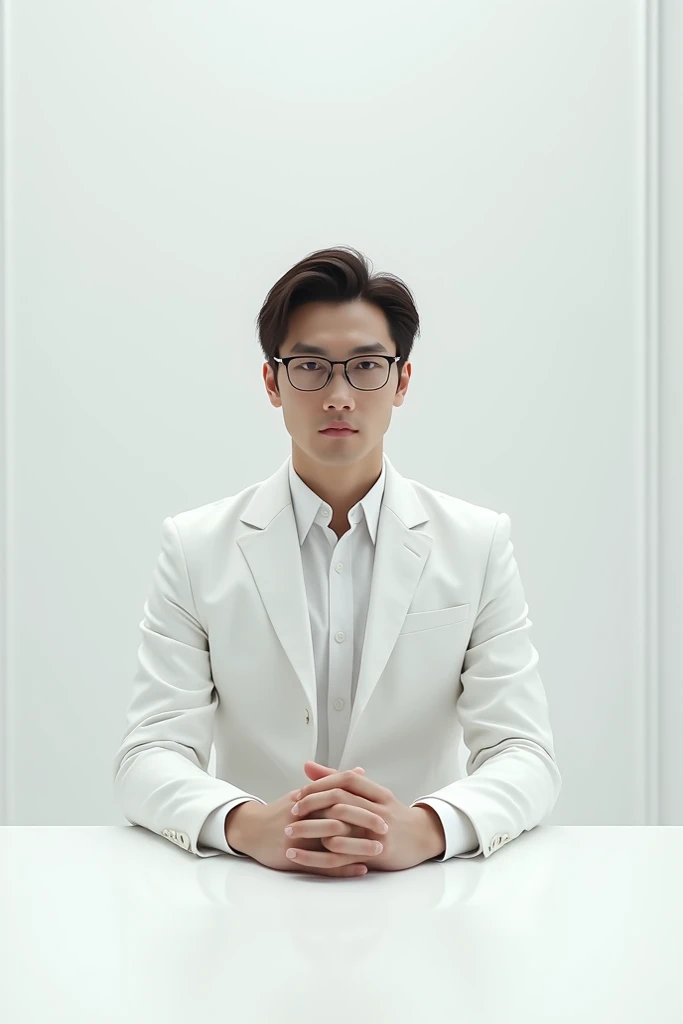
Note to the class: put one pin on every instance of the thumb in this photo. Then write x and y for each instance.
(317, 771)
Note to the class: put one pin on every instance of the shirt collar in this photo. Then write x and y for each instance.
(308, 505)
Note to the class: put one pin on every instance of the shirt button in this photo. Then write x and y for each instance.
(339, 704)
(339, 566)
(339, 637)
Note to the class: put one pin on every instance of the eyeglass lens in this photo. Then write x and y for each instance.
(365, 373)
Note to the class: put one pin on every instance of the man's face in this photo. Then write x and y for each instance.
(337, 330)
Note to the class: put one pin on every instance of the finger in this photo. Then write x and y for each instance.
(318, 771)
(355, 847)
(355, 815)
(315, 771)
(319, 844)
(316, 859)
(359, 819)
(358, 848)
(326, 769)
(316, 827)
(328, 798)
(351, 781)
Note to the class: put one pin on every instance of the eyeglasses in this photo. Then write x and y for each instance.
(367, 373)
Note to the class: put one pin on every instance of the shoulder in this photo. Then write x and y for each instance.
(215, 518)
(459, 512)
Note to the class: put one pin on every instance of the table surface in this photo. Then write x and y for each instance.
(564, 923)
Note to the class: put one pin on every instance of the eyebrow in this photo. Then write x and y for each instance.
(374, 346)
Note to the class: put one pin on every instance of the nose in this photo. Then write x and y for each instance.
(338, 386)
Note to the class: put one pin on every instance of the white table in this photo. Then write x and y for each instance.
(565, 923)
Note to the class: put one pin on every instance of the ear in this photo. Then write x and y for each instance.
(273, 390)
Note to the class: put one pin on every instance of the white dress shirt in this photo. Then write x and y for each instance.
(337, 575)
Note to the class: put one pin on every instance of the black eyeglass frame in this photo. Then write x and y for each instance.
(342, 362)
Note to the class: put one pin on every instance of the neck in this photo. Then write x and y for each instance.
(340, 485)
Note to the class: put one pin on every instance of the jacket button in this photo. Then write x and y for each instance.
(308, 716)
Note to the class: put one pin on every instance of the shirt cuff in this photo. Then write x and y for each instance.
(212, 832)
(458, 829)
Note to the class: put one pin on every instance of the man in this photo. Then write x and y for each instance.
(341, 612)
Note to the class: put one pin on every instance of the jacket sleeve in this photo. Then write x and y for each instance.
(161, 778)
(513, 781)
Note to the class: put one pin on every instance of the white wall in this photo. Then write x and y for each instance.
(166, 162)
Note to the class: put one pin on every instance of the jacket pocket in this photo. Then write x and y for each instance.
(417, 621)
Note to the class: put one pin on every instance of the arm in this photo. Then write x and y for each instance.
(513, 781)
(161, 778)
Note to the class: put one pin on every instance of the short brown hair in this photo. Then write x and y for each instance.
(337, 275)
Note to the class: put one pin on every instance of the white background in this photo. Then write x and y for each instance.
(514, 162)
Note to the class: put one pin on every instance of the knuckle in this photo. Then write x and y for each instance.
(349, 775)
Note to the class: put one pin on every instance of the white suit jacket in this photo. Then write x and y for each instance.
(338, 576)
(227, 658)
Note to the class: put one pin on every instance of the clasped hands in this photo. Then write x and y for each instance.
(414, 834)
